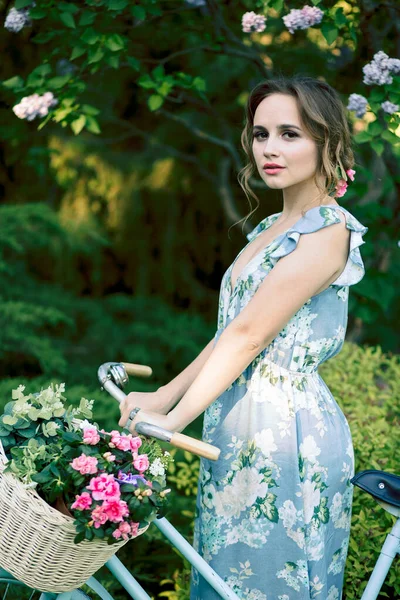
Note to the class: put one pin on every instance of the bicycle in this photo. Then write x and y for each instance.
(384, 488)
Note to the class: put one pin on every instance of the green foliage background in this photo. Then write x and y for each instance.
(115, 214)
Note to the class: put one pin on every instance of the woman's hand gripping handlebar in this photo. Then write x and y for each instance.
(114, 376)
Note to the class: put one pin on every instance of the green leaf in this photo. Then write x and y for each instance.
(67, 7)
(95, 55)
(146, 82)
(113, 61)
(29, 432)
(79, 538)
(377, 95)
(4, 432)
(90, 110)
(56, 83)
(199, 84)
(43, 477)
(77, 51)
(340, 18)
(92, 125)
(78, 124)
(330, 32)
(68, 19)
(134, 63)
(362, 137)
(155, 101)
(138, 12)
(114, 42)
(37, 13)
(391, 137)
(117, 4)
(158, 73)
(378, 146)
(90, 36)
(278, 4)
(87, 18)
(22, 4)
(13, 83)
(375, 128)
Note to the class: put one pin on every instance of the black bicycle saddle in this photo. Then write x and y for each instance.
(381, 485)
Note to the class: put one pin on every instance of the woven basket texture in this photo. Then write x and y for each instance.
(37, 542)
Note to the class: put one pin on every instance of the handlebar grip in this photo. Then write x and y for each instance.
(198, 447)
(137, 370)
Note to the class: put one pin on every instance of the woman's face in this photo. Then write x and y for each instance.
(279, 138)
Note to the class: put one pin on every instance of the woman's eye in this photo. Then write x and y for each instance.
(291, 134)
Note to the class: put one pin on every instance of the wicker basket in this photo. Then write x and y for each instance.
(37, 541)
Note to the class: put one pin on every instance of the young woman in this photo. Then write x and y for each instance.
(274, 511)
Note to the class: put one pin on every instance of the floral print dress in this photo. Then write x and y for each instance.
(273, 513)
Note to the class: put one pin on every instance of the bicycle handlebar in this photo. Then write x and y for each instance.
(109, 373)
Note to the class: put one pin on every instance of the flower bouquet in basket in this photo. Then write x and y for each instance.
(106, 486)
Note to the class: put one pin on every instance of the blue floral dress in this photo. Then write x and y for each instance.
(273, 513)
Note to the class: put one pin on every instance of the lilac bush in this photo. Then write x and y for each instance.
(358, 104)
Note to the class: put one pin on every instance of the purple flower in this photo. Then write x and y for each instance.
(302, 19)
(358, 104)
(379, 70)
(129, 478)
(389, 107)
(252, 22)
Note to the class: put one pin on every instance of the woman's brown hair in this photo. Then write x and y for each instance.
(323, 116)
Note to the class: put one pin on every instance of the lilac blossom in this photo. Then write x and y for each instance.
(389, 107)
(34, 106)
(358, 104)
(17, 20)
(379, 70)
(303, 18)
(253, 22)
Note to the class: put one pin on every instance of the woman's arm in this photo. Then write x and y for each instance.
(289, 285)
(177, 387)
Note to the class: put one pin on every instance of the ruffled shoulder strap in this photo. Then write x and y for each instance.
(317, 218)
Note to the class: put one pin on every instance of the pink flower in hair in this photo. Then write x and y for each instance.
(341, 188)
(351, 173)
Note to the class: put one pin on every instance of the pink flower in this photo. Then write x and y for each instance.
(91, 436)
(99, 516)
(350, 173)
(134, 529)
(104, 487)
(82, 502)
(115, 510)
(122, 442)
(341, 188)
(136, 442)
(85, 464)
(117, 534)
(123, 531)
(109, 457)
(141, 462)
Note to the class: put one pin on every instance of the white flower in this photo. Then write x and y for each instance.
(157, 468)
(309, 449)
(288, 514)
(311, 498)
(265, 441)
